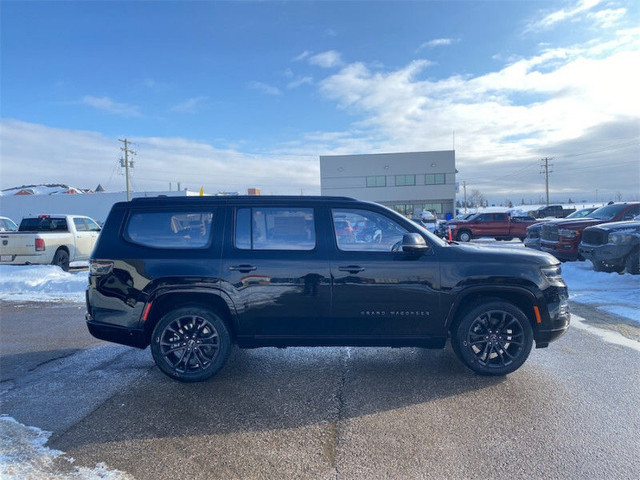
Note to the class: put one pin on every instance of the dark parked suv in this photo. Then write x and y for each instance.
(192, 276)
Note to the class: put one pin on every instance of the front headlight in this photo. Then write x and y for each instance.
(553, 273)
(620, 238)
(565, 232)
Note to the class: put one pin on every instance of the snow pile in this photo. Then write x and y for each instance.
(23, 456)
(42, 283)
(611, 292)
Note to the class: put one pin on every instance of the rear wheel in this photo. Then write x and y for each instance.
(61, 259)
(494, 338)
(190, 344)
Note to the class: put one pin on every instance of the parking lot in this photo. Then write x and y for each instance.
(569, 412)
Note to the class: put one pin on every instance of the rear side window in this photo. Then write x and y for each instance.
(80, 225)
(170, 229)
(275, 229)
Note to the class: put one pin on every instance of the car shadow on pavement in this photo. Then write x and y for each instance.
(268, 388)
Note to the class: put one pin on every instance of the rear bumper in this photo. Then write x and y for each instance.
(115, 334)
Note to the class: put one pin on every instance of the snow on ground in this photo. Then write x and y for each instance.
(611, 292)
(23, 456)
(41, 283)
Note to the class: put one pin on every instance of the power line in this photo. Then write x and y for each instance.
(125, 162)
(545, 166)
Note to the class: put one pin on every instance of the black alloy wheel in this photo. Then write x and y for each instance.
(494, 338)
(190, 344)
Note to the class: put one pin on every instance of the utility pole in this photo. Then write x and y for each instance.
(464, 187)
(544, 168)
(126, 163)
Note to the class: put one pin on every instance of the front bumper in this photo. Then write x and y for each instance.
(608, 253)
(557, 322)
(562, 249)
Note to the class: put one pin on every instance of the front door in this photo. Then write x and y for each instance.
(379, 293)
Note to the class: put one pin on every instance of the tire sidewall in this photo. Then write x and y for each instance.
(217, 363)
(464, 236)
(464, 352)
(61, 259)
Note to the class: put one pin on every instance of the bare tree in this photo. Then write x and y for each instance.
(476, 198)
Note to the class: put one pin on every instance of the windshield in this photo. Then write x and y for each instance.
(608, 212)
(581, 213)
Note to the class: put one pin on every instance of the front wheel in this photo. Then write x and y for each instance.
(464, 236)
(494, 338)
(190, 344)
(632, 263)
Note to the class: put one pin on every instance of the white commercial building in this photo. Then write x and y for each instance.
(407, 182)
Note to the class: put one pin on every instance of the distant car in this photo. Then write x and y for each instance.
(7, 225)
(534, 231)
(552, 211)
(613, 247)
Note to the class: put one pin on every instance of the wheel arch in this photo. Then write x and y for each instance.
(521, 297)
(166, 301)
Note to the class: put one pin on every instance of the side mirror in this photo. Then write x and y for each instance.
(414, 243)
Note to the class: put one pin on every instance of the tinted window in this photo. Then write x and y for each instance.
(485, 217)
(170, 229)
(369, 232)
(43, 224)
(275, 229)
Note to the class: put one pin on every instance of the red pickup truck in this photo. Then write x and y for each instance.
(500, 226)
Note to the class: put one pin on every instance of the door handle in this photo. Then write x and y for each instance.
(351, 268)
(242, 268)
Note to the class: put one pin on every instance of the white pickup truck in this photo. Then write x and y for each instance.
(49, 239)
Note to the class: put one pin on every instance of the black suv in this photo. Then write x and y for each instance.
(192, 276)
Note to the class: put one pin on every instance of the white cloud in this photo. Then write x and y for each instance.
(265, 88)
(564, 14)
(327, 59)
(33, 154)
(609, 17)
(108, 105)
(302, 56)
(438, 42)
(190, 105)
(299, 82)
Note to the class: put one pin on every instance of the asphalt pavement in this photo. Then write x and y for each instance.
(324, 413)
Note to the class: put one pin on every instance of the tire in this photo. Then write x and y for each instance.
(464, 236)
(522, 239)
(61, 259)
(603, 267)
(190, 344)
(494, 338)
(632, 263)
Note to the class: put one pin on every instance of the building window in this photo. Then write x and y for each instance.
(377, 181)
(405, 180)
(434, 179)
(432, 207)
(404, 209)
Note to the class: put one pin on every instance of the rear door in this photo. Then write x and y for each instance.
(276, 270)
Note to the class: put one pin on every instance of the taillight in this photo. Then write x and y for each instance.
(100, 267)
(40, 245)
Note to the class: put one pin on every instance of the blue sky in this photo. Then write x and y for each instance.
(230, 95)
